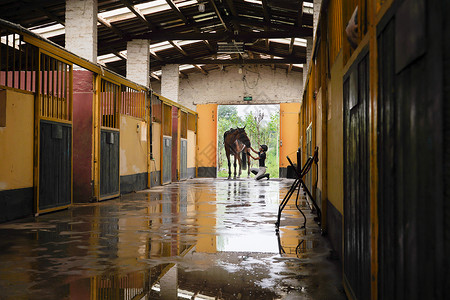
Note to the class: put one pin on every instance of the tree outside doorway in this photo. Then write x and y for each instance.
(262, 125)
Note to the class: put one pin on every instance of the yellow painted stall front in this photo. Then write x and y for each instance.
(192, 145)
(207, 140)
(289, 134)
(133, 154)
(16, 154)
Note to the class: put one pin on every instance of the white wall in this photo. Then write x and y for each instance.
(229, 86)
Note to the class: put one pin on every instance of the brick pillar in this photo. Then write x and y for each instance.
(170, 81)
(81, 28)
(138, 61)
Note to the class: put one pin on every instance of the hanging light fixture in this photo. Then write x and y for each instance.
(201, 7)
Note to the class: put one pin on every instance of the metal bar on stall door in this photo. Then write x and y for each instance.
(26, 68)
(42, 84)
(20, 64)
(47, 67)
(7, 61)
(58, 82)
(66, 98)
(116, 104)
(53, 68)
(14, 61)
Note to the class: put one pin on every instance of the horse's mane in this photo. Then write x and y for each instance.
(242, 136)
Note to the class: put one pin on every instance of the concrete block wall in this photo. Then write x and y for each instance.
(228, 86)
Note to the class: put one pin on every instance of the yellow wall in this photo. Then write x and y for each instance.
(133, 147)
(318, 132)
(156, 134)
(16, 141)
(191, 146)
(289, 135)
(335, 137)
(207, 135)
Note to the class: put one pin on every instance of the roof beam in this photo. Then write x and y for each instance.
(156, 56)
(278, 26)
(165, 35)
(200, 69)
(44, 11)
(291, 46)
(178, 48)
(154, 76)
(137, 13)
(177, 11)
(210, 47)
(266, 11)
(183, 75)
(273, 52)
(111, 27)
(289, 68)
(300, 14)
(219, 15)
(200, 61)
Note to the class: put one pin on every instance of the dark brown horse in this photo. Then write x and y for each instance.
(236, 141)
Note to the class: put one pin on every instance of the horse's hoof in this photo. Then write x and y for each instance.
(229, 177)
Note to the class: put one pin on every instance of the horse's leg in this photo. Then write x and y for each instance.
(234, 166)
(240, 164)
(248, 165)
(227, 152)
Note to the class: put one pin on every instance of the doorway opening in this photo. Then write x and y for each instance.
(262, 125)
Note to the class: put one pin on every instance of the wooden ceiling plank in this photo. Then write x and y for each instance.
(137, 13)
(177, 11)
(219, 15)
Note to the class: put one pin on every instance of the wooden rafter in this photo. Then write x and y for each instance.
(156, 56)
(219, 15)
(200, 69)
(177, 11)
(300, 14)
(179, 48)
(164, 35)
(200, 61)
(291, 46)
(289, 68)
(266, 11)
(137, 13)
(111, 27)
(50, 15)
(155, 76)
(183, 75)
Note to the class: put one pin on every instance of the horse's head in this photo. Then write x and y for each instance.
(242, 136)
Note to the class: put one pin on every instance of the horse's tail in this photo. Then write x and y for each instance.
(244, 160)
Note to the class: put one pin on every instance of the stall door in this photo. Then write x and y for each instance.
(356, 179)
(109, 164)
(167, 160)
(55, 174)
(110, 97)
(183, 159)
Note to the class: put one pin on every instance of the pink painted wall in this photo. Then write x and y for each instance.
(83, 94)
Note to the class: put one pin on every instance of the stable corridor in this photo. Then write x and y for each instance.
(195, 239)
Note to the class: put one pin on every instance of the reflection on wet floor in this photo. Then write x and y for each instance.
(197, 239)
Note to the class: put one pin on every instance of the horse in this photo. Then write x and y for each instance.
(236, 141)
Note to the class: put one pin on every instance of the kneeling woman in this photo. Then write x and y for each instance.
(261, 171)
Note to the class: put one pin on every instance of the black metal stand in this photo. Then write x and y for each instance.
(297, 185)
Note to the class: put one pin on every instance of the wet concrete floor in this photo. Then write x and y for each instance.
(197, 239)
